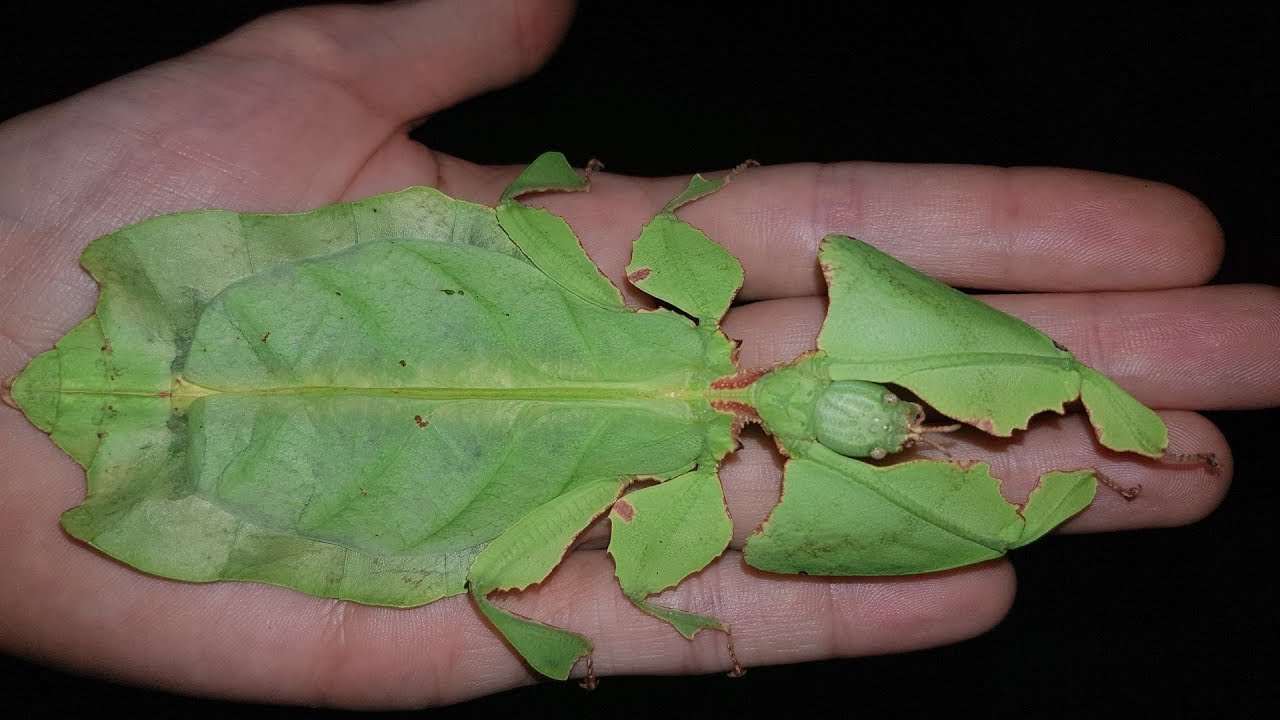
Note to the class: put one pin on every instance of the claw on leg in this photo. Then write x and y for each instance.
(590, 682)
(1125, 491)
(737, 671)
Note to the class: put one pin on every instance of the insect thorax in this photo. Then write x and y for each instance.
(854, 418)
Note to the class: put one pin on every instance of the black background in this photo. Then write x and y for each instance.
(1178, 621)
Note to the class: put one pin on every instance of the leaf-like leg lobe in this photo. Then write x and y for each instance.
(525, 555)
(666, 532)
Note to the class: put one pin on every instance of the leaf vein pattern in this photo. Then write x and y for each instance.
(911, 506)
(244, 243)
(256, 439)
(352, 299)
(964, 360)
(483, 487)
(490, 312)
(584, 342)
(585, 449)
(384, 461)
(266, 356)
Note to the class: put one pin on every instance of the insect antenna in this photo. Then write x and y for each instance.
(918, 430)
(935, 445)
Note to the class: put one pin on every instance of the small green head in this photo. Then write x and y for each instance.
(862, 419)
(800, 404)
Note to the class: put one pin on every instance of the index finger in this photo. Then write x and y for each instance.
(1041, 229)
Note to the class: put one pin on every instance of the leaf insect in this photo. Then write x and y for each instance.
(240, 404)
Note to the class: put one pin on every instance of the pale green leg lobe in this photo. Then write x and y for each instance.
(547, 240)
(889, 323)
(839, 516)
(675, 262)
(525, 555)
(664, 533)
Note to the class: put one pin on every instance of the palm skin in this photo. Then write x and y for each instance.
(298, 110)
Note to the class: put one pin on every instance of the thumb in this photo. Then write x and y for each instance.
(409, 59)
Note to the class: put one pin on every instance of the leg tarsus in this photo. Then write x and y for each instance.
(1208, 459)
(590, 682)
(1125, 491)
(744, 165)
(737, 671)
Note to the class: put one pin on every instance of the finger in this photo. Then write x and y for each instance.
(982, 227)
(1191, 348)
(409, 59)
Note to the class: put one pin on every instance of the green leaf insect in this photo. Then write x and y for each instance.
(410, 397)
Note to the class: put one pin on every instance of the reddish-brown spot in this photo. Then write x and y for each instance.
(401, 363)
(828, 274)
(417, 419)
(164, 394)
(737, 350)
(986, 425)
(624, 510)
(265, 335)
(639, 275)
(739, 381)
(106, 346)
(740, 410)
(6, 392)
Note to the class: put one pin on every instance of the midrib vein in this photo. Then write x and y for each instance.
(183, 391)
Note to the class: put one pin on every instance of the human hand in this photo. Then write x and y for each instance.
(257, 125)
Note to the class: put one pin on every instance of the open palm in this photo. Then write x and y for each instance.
(311, 107)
